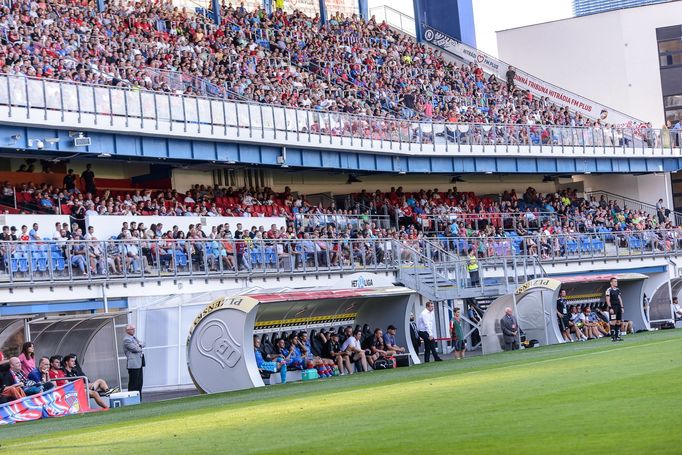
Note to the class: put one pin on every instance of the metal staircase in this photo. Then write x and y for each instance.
(439, 275)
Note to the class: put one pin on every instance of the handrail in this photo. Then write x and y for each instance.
(631, 202)
(56, 102)
(52, 262)
(401, 15)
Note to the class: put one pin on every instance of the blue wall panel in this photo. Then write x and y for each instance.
(249, 153)
(418, 164)
(547, 165)
(126, 145)
(155, 147)
(178, 148)
(269, 155)
(367, 162)
(329, 159)
(202, 150)
(311, 158)
(384, 162)
(123, 146)
(604, 166)
(227, 152)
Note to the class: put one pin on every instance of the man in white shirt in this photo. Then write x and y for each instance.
(426, 325)
(354, 349)
(677, 309)
(57, 234)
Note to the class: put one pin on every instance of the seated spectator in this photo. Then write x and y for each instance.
(378, 348)
(591, 325)
(27, 358)
(389, 340)
(41, 374)
(677, 309)
(267, 368)
(56, 372)
(70, 371)
(332, 350)
(354, 349)
(575, 324)
(291, 356)
(16, 378)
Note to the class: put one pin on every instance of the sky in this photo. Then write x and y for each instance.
(493, 15)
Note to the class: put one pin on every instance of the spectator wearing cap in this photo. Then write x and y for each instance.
(389, 340)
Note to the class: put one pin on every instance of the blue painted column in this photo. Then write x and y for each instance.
(363, 6)
(419, 19)
(323, 12)
(215, 6)
(100, 5)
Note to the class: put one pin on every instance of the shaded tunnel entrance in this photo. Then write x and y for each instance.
(220, 345)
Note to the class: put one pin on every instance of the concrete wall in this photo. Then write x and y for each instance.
(645, 188)
(610, 57)
(183, 179)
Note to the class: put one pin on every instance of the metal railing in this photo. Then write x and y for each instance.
(61, 261)
(349, 221)
(394, 18)
(557, 248)
(51, 102)
(631, 203)
(447, 276)
(502, 220)
(133, 259)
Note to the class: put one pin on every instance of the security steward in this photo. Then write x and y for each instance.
(472, 268)
(614, 302)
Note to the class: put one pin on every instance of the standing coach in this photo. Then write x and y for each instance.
(135, 359)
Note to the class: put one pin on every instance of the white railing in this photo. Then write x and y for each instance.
(62, 104)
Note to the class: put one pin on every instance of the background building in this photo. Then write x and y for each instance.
(585, 7)
(629, 59)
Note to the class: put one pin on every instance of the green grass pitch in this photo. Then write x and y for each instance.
(594, 397)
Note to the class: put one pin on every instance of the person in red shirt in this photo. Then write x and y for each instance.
(56, 371)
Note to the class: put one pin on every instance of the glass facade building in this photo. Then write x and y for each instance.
(585, 7)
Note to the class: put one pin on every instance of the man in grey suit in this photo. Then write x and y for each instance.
(510, 330)
(135, 356)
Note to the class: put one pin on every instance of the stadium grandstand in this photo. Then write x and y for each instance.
(238, 195)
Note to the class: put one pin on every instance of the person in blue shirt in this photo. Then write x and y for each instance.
(33, 233)
(41, 374)
(289, 354)
(267, 367)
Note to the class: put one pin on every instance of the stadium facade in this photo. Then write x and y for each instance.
(277, 190)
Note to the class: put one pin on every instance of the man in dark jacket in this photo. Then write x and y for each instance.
(510, 330)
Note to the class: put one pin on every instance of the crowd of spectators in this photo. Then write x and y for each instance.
(341, 350)
(348, 65)
(22, 376)
(365, 231)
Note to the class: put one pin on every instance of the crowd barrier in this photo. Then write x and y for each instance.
(71, 398)
(105, 107)
(86, 260)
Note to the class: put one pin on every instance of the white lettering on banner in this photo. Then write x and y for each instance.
(310, 8)
(524, 80)
(346, 7)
